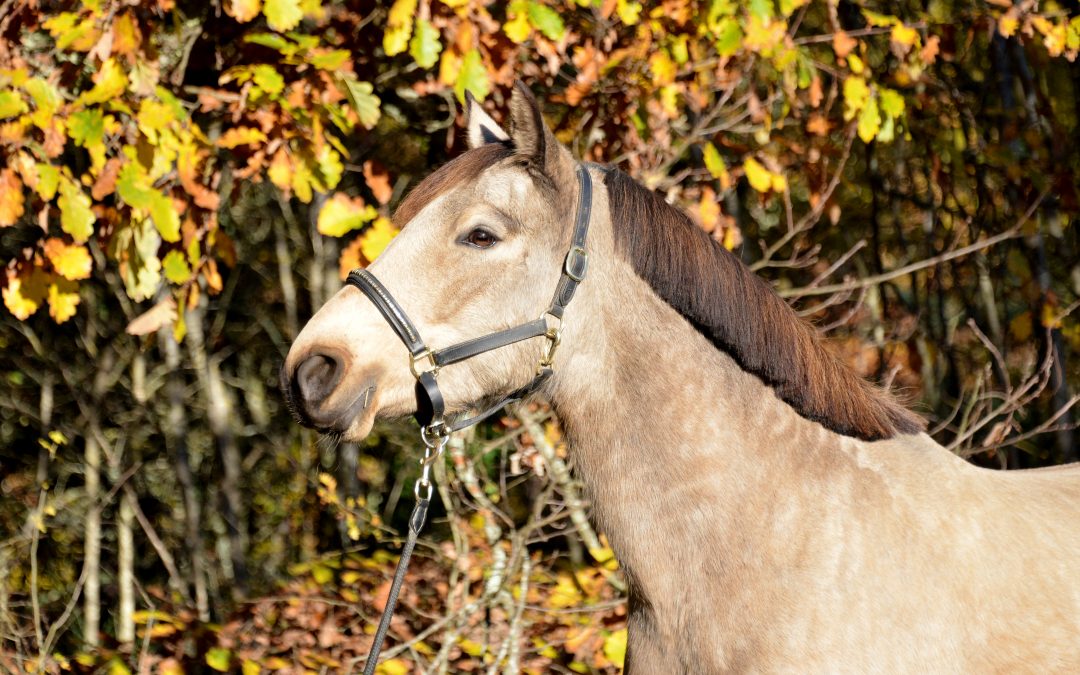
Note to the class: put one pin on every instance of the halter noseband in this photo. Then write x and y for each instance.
(425, 363)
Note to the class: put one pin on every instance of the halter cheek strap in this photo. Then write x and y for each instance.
(426, 364)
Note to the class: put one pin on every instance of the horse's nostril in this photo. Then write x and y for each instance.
(317, 376)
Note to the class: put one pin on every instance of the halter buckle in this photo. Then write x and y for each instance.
(577, 263)
(426, 354)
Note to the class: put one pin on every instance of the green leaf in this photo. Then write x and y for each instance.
(856, 94)
(282, 15)
(472, 77)
(133, 186)
(218, 658)
(762, 9)
(425, 46)
(546, 20)
(11, 104)
(892, 102)
(363, 101)
(273, 41)
(728, 36)
(166, 219)
(176, 267)
(87, 127)
(331, 60)
(48, 181)
(267, 79)
(76, 218)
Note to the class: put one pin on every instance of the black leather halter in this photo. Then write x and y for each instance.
(426, 364)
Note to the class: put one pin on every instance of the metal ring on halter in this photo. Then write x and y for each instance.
(440, 432)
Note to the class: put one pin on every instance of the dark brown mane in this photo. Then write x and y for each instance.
(742, 315)
(464, 167)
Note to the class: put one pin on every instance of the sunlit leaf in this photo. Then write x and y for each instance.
(629, 11)
(249, 667)
(856, 94)
(518, 27)
(425, 46)
(63, 299)
(218, 658)
(109, 83)
(11, 104)
(615, 647)
(48, 181)
(76, 218)
(546, 20)
(160, 315)
(11, 197)
(71, 261)
(175, 267)
(399, 24)
(472, 77)
(241, 136)
(729, 36)
(329, 60)
(342, 214)
(760, 178)
(869, 120)
(282, 15)
(393, 667)
(243, 10)
(377, 237)
(363, 101)
(25, 291)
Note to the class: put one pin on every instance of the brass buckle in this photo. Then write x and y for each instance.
(413, 360)
(577, 263)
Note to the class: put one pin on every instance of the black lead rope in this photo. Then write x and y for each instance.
(425, 365)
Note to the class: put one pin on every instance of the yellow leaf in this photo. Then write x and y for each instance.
(240, 136)
(761, 179)
(904, 35)
(250, 667)
(109, 83)
(280, 171)
(377, 237)
(869, 120)
(342, 214)
(615, 647)
(11, 198)
(70, 261)
(663, 69)
(76, 218)
(283, 15)
(243, 10)
(25, 292)
(399, 25)
(779, 183)
(856, 94)
(393, 667)
(518, 28)
(856, 64)
(1008, 24)
(218, 658)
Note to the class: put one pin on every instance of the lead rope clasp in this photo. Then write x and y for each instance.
(435, 437)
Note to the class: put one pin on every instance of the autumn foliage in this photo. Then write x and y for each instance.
(183, 183)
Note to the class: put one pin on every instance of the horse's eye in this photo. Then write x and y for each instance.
(481, 238)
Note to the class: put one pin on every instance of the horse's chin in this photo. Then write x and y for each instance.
(360, 427)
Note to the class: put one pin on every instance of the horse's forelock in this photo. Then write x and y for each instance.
(461, 169)
(742, 315)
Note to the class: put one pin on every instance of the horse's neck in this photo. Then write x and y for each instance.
(688, 459)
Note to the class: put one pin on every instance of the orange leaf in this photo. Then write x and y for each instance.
(11, 198)
(71, 261)
(379, 181)
(842, 44)
(351, 258)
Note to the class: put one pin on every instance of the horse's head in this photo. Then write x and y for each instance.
(481, 249)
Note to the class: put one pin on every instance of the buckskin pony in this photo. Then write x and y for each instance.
(773, 511)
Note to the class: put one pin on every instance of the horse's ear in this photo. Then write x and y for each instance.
(527, 129)
(481, 128)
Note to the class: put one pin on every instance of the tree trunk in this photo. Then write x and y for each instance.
(92, 542)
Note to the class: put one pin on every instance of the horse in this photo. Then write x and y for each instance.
(773, 511)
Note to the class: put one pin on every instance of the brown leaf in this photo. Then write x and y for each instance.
(931, 49)
(160, 315)
(106, 182)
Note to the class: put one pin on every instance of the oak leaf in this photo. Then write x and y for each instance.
(71, 261)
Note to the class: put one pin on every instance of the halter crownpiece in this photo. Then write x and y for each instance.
(425, 365)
